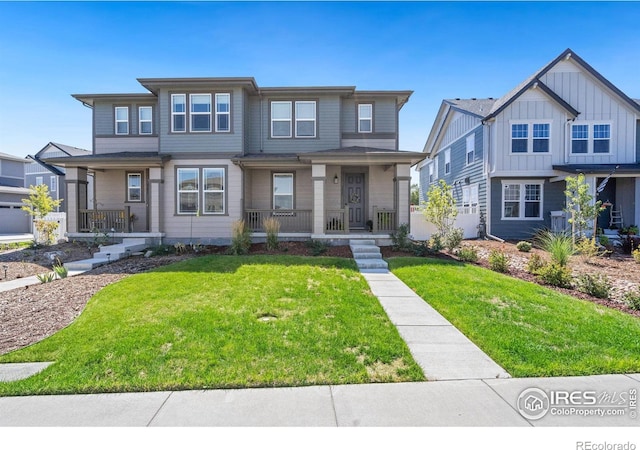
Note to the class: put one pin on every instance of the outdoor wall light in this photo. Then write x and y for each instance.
(335, 179)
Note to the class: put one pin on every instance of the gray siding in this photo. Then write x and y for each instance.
(384, 115)
(638, 141)
(59, 193)
(553, 200)
(104, 121)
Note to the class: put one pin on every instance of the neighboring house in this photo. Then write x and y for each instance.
(509, 157)
(193, 155)
(12, 191)
(39, 172)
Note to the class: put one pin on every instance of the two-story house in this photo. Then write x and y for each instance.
(12, 191)
(39, 172)
(509, 157)
(185, 160)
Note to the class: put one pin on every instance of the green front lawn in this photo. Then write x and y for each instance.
(528, 329)
(222, 322)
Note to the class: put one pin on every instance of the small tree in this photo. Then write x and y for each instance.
(415, 194)
(38, 205)
(440, 207)
(581, 206)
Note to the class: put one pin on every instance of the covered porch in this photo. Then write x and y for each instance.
(333, 194)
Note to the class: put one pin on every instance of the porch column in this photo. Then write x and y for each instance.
(76, 184)
(155, 199)
(403, 193)
(319, 176)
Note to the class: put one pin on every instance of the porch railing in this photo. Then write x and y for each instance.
(337, 221)
(384, 220)
(291, 220)
(104, 220)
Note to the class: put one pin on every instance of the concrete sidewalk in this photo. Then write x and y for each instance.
(443, 403)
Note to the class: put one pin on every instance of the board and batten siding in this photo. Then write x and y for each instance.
(459, 125)
(227, 143)
(553, 200)
(638, 141)
(205, 229)
(327, 126)
(596, 104)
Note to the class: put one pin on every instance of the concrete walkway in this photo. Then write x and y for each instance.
(29, 281)
(444, 403)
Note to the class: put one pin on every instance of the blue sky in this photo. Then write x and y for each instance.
(49, 50)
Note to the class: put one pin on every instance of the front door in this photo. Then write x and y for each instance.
(354, 191)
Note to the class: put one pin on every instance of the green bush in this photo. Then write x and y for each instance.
(317, 247)
(636, 255)
(435, 243)
(632, 299)
(46, 277)
(468, 254)
(596, 285)
(240, 238)
(421, 248)
(534, 263)
(559, 245)
(524, 246)
(588, 249)
(555, 274)
(498, 261)
(400, 239)
(453, 238)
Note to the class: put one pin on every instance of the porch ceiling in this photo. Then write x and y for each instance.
(602, 169)
(120, 160)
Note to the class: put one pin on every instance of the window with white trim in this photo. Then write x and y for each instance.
(471, 148)
(541, 138)
(39, 181)
(601, 138)
(213, 190)
(134, 187)
(530, 137)
(283, 191)
(590, 138)
(223, 113)
(431, 178)
(188, 188)
(365, 118)
(306, 119)
(522, 200)
(145, 120)
(200, 113)
(447, 161)
(519, 137)
(122, 119)
(579, 138)
(178, 113)
(470, 199)
(54, 183)
(281, 119)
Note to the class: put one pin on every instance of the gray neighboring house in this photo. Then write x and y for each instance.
(190, 156)
(12, 191)
(39, 172)
(509, 157)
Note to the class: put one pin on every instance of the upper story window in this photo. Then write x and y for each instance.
(122, 119)
(587, 138)
(530, 138)
(223, 112)
(365, 118)
(39, 181)
(306, 119)
(145, 119)
(178, 113)
(471, 148)
(54, 183)
(134, 187)
(200, 112)
(282, 191)
(286, 114)
(431, 178)
(447, 161)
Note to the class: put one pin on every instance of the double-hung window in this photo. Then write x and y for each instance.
(200, 112)
(122, 119)
(281, 119)
(306, 119)
(601, 138)
(39, 181)
(522, 200)
(178, 113)
(471, 148)
(145, 120)
(590, 138)
(134, 187)
(365, 118)
(579, 138)
(540, 138)
(188, 189)
(54, 183)
(431, 178)
(519, 137)
(223, 112)
(447, 161)
(530, 137)
(283, 191)
(213, 190)
(470, 199)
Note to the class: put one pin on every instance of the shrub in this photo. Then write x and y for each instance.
(596, 285)
(604, 240)
(468, 254)
(555, 274)
(629, 243)
(535, 263)
(46, 277)
(60, 270)
(400, 238)
(632, 299)
(435, 243)
(421, 248)
(636, 255)
(588, 249)
(317, 247)
(524, 246)
(559, 245)
(240, 238)
(271, 226)
(453, 238)
(498, 261)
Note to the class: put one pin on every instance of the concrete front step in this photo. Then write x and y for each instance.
(365, 248)
(367, 255)
(371, 255)
(371, 264)
(86, 264)
(109, 253)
